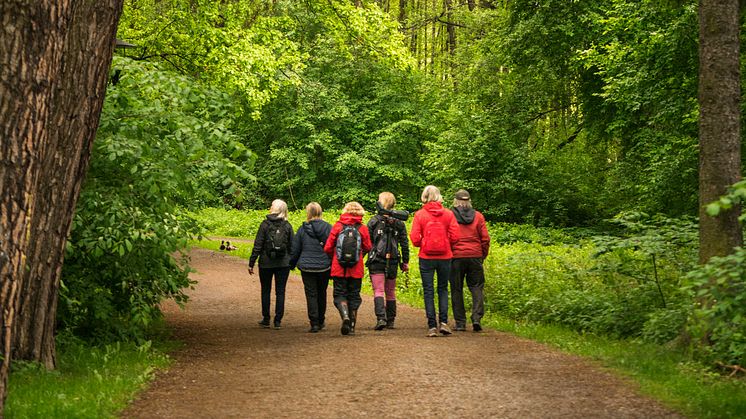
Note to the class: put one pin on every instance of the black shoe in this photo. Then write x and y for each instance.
(278, 326)
(390, 324)
(460, 328)
(380, 324)
(322, 326)
(353, 320)
(264, 323)
(477, 327)
(314, 329)
(346, 326)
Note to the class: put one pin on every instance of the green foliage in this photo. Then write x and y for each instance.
(736, 196)
(238, 45)
(164, 143)
(719, 319)
(350, 129)
(89, 382)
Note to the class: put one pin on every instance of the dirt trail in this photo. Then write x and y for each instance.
(230, 367)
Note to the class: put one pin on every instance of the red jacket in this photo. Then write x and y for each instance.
(475, 240)
(434, 211)
(331, 246)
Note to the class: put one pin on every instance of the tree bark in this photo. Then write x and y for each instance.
(402, 13)
(719, 123)
(78, 98)
(31, 46)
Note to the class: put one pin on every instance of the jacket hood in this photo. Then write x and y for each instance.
(348, 219)
(313, 227)
(274, 217)
(434, 208)
(464, 215)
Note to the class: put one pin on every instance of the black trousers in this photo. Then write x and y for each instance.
(472, 270)
(348, 290)
(314, 285)
(281, 279)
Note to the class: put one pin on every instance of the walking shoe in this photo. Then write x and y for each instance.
(477, 327)
(380, 324)
(264, 323)
(390, 324)
(313, 329)
(444, 329)
(278, 326)
(460, 327)
(433, 332)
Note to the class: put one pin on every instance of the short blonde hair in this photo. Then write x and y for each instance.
(431, 194)
(387, 200)
(353, 208)
(279, 208)
(313, 211)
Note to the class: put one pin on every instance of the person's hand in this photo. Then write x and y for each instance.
(251, 270)
(405, 267)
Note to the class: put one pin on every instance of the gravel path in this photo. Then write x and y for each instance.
(230, 367)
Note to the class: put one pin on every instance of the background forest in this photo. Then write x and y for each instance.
(575, 115)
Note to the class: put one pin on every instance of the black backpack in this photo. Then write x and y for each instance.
(277, 240)
(386, 246)
(349, 243)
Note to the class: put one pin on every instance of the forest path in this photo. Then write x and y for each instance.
(231, 367)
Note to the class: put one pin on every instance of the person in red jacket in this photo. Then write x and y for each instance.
(434, 231)
(347, 242)
(468, 258)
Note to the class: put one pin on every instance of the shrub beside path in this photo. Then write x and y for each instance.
(230, 367)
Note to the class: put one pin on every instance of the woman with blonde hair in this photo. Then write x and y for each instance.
(315, 265)
(348, 241)
(273, 246)
(387, 235)
(434, 231)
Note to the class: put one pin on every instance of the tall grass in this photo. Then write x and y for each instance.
(90, 382)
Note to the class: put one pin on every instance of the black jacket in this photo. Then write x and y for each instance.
(376, 229)
(261, 247)
(308, 246)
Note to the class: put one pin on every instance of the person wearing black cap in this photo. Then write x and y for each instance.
(468, 256)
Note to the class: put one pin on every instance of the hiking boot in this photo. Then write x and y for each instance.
(380, 324)
(444, 329)
(353, 320)
(477, 327)
(344, 313)
(460, 327)
(432, 332)
(264, 323)
(390, 313)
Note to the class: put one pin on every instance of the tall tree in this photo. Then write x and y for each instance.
(30, 54)
(39, 47)
(73, 121)
(719, 122)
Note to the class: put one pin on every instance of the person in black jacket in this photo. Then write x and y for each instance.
(387, 235)
(273, 246)
(315, 265)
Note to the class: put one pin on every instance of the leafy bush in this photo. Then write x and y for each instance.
(164, 143)
(719, 319)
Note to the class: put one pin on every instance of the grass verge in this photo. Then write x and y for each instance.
(90, 381)
(665, 374)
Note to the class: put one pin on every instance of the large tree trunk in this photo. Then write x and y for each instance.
(719, 122)
(78, 99)
(31, 45)
(43, 104)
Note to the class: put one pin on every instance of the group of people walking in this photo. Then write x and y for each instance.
(453, 245)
